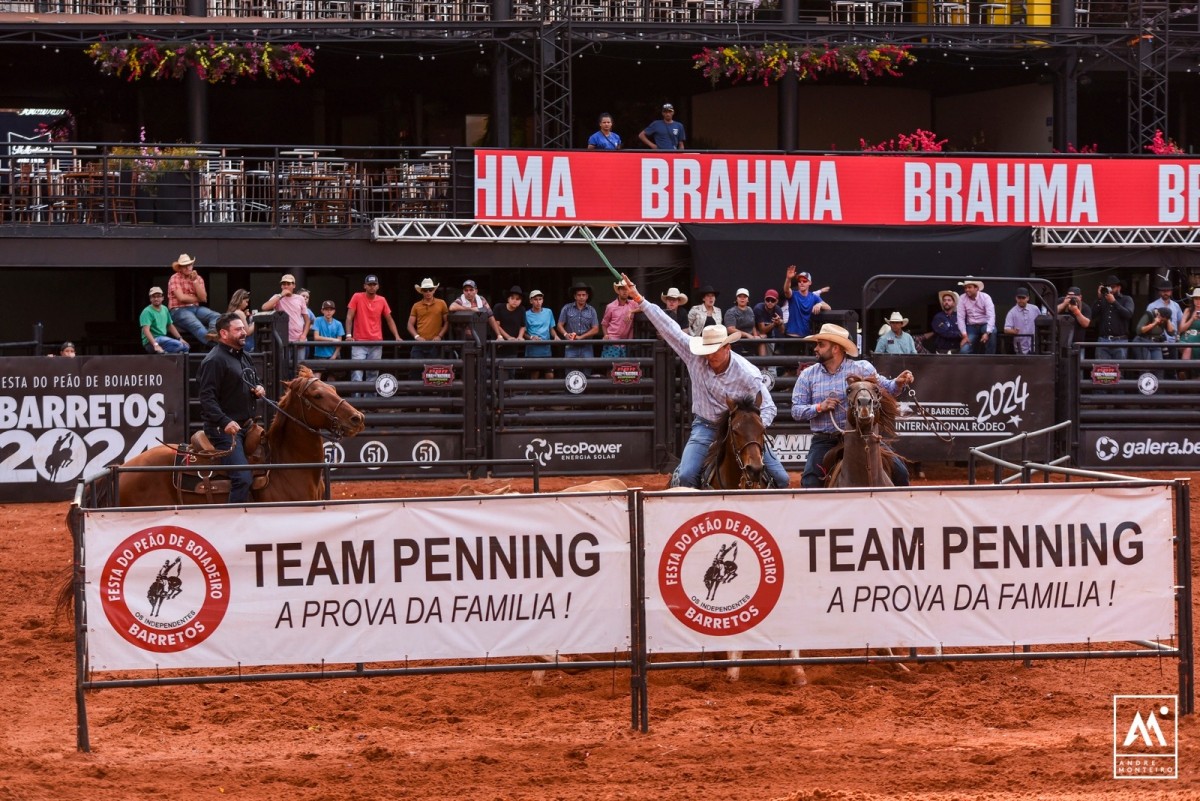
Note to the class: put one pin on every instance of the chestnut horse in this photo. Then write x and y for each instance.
(735, 458)
(308, 407)
(866, 458)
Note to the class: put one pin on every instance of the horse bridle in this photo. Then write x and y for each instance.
(332, 420)
(857, 389)
(737, 454)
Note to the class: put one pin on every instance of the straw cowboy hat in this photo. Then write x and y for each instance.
(970, 281)
(953, 296)
(674, 294)
(712, 339)
(897, 317)
(837, 335)
(426, 283)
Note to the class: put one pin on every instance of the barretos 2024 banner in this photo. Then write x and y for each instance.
(687, 187)
(61, 419)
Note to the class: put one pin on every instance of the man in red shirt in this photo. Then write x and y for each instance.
(186, 295)
(365, 315)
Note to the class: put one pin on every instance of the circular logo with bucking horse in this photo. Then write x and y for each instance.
(721, 573)
(165, 589)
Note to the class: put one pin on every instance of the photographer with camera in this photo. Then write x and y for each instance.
(1074, 317)
(1113, 313)
(1155, 327)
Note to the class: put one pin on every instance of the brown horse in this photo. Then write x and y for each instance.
(308, 407)
(735, 458)
(864, 459)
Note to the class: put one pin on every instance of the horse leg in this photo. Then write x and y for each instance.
(734, 673)
(798, 677)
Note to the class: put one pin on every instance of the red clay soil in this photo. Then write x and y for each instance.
(953, 731)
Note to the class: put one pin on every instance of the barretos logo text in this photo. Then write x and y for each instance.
(721, 573)
(165, 589)
(545, 451)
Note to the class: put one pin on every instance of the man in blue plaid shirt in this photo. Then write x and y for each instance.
(820, 397)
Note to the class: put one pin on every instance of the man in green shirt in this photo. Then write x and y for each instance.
(159, 334)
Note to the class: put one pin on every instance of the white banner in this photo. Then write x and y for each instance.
(366, 582)
(955, 567)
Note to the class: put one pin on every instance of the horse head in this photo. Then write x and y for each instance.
(745, 435)
(862, 405)
(320, 406)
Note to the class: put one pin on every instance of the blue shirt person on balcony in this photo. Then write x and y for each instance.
(605, 138)
(664, 134)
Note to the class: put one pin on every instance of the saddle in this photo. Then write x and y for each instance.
(199, 453)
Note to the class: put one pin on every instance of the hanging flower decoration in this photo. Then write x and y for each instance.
(919, 141)
(1162, 146)
(774, 60)
(214, 62)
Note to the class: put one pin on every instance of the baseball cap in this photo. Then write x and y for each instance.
(468, 283)
(1074, 290)
(742, 291)
(771, 293)
(371, 279)
(668, 107)
(328, 304)
(1022, 292)
(1113, 280)
(537, 293)
(156, 290)
(288, 279)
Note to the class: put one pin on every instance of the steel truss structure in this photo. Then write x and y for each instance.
(635, 233)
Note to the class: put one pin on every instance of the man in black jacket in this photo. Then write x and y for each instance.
(228, 387)
(1112, 315)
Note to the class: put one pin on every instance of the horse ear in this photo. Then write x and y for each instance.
(758, 400)
(732, 404)
(304, 372)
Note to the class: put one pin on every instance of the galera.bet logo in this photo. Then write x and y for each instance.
(1145, 737)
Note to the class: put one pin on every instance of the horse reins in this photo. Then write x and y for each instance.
(335, 424)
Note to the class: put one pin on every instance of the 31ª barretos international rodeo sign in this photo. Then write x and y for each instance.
(390, 580)
(61, 419)
(650, 187)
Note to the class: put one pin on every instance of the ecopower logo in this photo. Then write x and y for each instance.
(546, 452)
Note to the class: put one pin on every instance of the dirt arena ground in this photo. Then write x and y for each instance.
(955, 731)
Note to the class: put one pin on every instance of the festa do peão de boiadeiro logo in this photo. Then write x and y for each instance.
(721, 573)
(165, 589)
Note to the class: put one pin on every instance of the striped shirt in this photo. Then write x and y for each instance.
(710, 390)
(815, 384)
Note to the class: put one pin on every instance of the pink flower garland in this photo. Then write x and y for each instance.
(774, 60)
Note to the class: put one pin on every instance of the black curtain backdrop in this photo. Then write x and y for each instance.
(844, 257)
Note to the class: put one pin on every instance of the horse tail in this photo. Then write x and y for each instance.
(64, 597)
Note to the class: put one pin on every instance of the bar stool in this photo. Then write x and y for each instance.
(991, 13)
(949, 13)
(850, 11)
(889, 12)
(1083, 13)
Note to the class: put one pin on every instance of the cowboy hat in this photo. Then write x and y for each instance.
(712, 339)
(897, 317)
(953, 295)
(426, 283)
(837, 335)
(970, 281)
(707, 289)
(184, 259)
(580, 286)
(674, 294)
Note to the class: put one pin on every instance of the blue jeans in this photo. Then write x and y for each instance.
(814, 467)
(169, 345)
(360, 352)
(1117, 350)
(974, 333)
(195, 320)
(703, 434)
(239, 480)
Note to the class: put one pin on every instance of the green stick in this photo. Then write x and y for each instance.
(592, 241)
